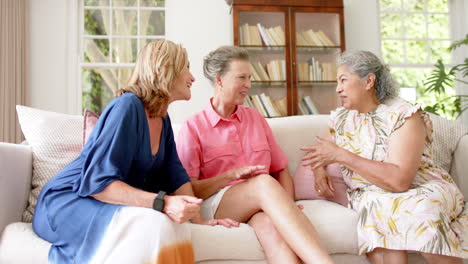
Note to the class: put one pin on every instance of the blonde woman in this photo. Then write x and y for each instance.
(123, 198)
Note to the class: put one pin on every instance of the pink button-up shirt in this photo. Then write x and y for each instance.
(209, 145)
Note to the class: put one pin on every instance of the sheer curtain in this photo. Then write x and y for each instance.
(13, 15)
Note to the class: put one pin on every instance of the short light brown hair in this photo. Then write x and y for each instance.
(158, 65)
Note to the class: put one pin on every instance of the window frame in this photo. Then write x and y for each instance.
(402, 12)
(81, 37)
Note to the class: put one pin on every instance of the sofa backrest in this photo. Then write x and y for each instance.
(295, 131)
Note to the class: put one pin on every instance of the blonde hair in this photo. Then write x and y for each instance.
(158, 65)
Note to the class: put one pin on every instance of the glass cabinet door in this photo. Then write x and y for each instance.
(317, 44)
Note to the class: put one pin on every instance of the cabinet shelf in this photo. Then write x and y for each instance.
(318, 47)
(317, 82)
(268, 82)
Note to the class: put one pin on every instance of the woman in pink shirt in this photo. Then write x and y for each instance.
(230, 155)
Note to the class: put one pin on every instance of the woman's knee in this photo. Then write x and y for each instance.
(263, 225)
(264, 183)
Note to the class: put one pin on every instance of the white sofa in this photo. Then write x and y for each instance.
(336, 224)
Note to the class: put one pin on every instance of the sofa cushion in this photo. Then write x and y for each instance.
(90, 120)
(285, 130)
(55, 139)
(19, 244)
(304, 184)
(446, 135)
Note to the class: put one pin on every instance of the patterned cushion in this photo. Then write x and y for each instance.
(446, 135)
(55, 139)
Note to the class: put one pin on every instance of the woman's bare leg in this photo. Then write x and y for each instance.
(433, 259)
(388, 256)
(264, 193)
(276, 249)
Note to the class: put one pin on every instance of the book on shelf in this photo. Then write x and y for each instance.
(255, 75)
(302, 108)
(248, 102)
(258, 35)
(314, 70)
(275, 70)
(266, 106)
(324, 38)
(260, 71)
(258, 104)
(269, 107)
(282, 106)
(311, 107)
(255, 38)
(263, 34)
(313, 38)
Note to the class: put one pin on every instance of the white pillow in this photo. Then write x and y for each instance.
(446, 135)
(55, 139)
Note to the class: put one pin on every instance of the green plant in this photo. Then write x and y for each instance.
(441, 80)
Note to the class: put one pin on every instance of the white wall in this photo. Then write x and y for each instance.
(201, 26)
(362, 25)
(48, 55)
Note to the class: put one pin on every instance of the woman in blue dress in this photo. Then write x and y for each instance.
(110, 205)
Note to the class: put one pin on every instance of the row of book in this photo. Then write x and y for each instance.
(258, 35)
(313, 38)
(275, 70)
(314, 70)
(307, 107)
(276, 108)
(266, 106)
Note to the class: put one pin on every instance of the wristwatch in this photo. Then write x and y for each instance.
(158, 203)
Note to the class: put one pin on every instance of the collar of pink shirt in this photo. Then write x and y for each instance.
(214, 117)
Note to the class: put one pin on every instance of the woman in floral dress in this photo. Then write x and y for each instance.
(405, 202)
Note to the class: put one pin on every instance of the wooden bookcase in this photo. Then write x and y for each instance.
(296, 42)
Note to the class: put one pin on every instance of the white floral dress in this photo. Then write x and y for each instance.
(428, 217)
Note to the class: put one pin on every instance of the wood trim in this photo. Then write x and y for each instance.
(293, 87)
(287, 59)
(291, 3)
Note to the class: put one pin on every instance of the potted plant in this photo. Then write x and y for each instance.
(442, 78)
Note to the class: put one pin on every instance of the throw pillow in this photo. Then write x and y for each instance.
(90, 120)
(55, 140)
(446, 135)
(304, 184)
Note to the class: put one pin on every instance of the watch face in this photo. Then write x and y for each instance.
(158, 204)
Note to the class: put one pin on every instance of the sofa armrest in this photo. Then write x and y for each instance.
(459, 169)
(15, 181)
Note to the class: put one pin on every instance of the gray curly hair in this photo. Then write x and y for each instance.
(365, 62)
(217, 61)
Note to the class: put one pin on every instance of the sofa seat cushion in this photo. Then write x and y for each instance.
(329, 219)
(209, 243)
(19, 244)
(335, 224)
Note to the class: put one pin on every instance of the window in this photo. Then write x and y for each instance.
(112, 33)
(414, 35)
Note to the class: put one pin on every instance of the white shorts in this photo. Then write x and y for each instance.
(210, 205)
